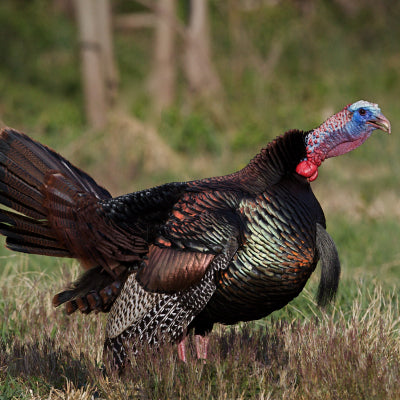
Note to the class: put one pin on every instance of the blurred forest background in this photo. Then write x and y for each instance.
(266, 66)
(196, 88)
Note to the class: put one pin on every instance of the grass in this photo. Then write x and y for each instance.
(282, 66)
(350, 352)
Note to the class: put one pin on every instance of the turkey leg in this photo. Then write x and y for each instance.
(201, 348)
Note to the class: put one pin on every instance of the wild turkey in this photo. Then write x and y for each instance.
(186, 255)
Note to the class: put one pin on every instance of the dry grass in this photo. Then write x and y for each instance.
(46, 354)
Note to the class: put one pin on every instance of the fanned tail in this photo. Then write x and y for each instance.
(41, 193)
(25, 167)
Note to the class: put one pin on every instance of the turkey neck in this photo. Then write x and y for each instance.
(272, 164)
(275, 162)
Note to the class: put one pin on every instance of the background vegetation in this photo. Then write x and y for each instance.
(282, 64)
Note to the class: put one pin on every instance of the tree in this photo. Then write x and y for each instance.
(201, 76)
(199, 69)
(164, 70)
(99, 73)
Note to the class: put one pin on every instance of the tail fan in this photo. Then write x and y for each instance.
(50, 208)
(25, 166)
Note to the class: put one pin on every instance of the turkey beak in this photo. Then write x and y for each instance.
(381, 122)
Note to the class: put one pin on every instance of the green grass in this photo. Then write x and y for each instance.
(284, 66)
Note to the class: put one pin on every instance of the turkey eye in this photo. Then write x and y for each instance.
(361, 111)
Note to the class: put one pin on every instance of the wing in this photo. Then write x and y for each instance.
(201, 226)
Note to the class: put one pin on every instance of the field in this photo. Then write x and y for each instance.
(350, 351)
(282, 66)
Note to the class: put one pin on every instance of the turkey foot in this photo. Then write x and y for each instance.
(201, 348)
(182, 350)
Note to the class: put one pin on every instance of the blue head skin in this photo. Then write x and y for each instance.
(341, 133)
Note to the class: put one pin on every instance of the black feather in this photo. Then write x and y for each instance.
(330, 267)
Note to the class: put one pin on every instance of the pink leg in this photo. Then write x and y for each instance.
(201, 346)
(182, 350)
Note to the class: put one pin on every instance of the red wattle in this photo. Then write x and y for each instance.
(307, 169)
(314, 176)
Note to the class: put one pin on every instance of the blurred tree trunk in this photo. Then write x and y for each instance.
(104, 30)
(99, 74)
(163, 77)
(199, 69)
(64, 6)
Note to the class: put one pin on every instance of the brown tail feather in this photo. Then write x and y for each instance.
(52, 209)
(31, 160)
(25, 166)
(17, 188)
(18, 206)
(23, 225)
(95, 290)
(98, 301)
(23, 247)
